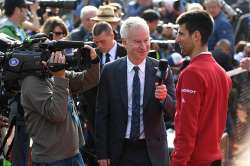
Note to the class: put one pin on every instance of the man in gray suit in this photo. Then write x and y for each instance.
(129, 121)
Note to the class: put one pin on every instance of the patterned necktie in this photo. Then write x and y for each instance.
(135, 123)
(107, 58)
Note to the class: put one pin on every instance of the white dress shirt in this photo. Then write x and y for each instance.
(130, 76)
(112, 53)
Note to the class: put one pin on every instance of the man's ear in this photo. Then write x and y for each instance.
(124, 42)
(196, 36)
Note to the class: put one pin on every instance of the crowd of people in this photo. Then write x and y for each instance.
(114, 111)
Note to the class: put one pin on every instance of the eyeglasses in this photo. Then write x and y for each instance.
(59, 33)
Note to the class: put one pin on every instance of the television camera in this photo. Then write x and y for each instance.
(18, 60)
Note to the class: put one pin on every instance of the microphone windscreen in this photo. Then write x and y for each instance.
(163, 64)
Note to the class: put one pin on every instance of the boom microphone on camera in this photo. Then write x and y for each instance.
(61, 45)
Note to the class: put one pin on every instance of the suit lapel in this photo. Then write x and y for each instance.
(149, 84)
(122, 71)
(118, 51)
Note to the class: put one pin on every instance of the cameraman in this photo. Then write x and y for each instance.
(50, 113)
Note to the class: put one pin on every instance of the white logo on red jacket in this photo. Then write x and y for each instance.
(190, 91)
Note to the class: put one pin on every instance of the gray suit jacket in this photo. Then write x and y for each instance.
(112, 113)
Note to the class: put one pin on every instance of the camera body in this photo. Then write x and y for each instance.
(21, 60)
(26, 58)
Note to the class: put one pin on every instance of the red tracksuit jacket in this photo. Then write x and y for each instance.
(202, 102)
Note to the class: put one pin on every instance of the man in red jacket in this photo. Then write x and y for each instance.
(202, 96)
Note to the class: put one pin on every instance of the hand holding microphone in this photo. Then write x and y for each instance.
(161, 91)
(161, 75)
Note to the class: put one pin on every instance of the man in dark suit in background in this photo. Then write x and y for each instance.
(129, 120)
(108, 49)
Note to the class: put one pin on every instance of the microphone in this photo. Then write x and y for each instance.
(162, 71)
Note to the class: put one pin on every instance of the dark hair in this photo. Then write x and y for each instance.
(197, 20)
(101, 27)
(10, 5)
(150, 15)
(51, 23)
(9, 10)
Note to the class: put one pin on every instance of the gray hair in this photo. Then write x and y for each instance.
(87, 9)
(131, 23)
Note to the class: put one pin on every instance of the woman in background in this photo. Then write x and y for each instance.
(55, 25)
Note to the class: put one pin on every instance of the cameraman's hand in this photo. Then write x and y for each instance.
(58, 57)
(3, 121)
(93, 54)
